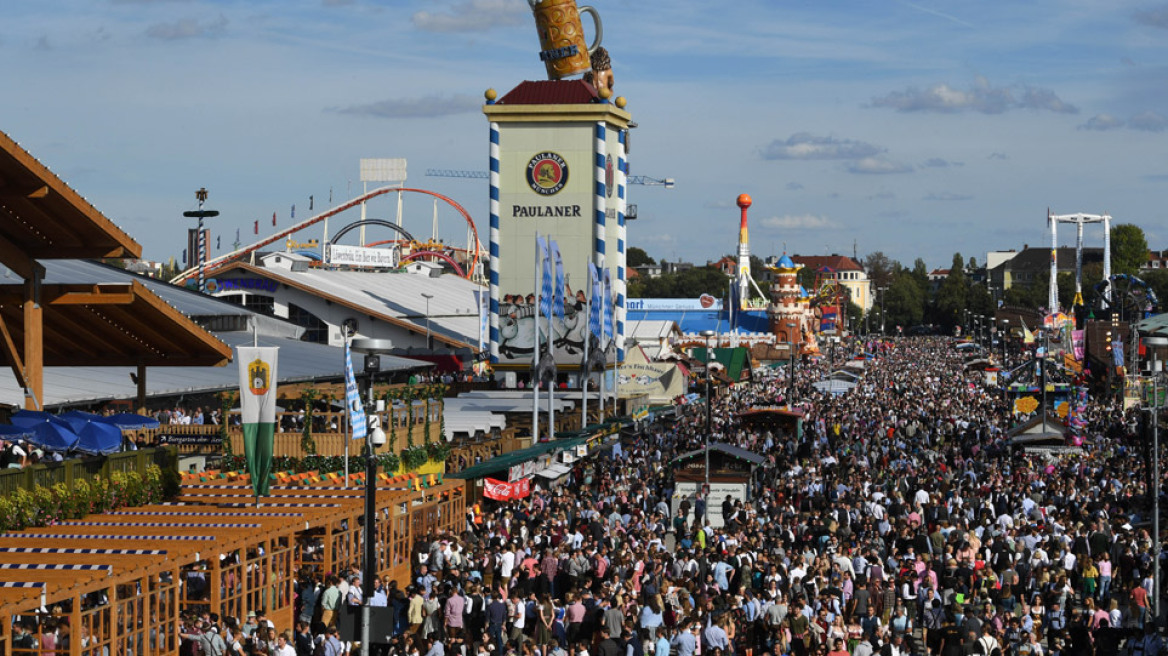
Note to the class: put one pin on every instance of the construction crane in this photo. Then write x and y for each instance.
(483, 175)
(630, 210)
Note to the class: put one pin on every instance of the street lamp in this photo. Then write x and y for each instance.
(428, 297)
(1005, 340)
(374, 437)
(707, 334)
(882, 290)
(200, 214)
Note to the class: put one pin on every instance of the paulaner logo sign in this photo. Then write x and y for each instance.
(547, 173)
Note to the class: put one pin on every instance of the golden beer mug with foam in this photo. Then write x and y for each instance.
(561, 36)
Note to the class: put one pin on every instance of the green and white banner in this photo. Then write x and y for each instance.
(257, 402)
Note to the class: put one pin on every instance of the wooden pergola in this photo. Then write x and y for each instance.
(125, 577)
(97, 325)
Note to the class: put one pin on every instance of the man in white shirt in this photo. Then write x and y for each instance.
(507, 563)
(282, 646)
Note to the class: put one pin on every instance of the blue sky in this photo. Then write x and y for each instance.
(915, 128)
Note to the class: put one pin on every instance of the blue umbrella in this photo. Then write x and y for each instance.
(99, 438)
(28, 418)
(11, 432)
(131, 421)
(78, 419)
(53, 436)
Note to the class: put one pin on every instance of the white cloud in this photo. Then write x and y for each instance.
(187, 28)
(998, 156)
(794, 186)
(424, 107)
(474, 15)
(1102, 122)
(802, 145)
(799, 222)
(939, 163)
(874, 165)
(1148, 122)
(947, 196)
(982, 97)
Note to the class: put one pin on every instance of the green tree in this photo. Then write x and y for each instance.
(1157, 280)
(169, 270)
(635, 257)
(879, 268)
(953, 294)
(904, 301)
(1129, 249)
(689, 283)
(980, 301)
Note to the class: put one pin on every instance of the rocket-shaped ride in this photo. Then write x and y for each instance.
(744, 278)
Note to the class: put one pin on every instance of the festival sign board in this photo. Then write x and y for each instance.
(361, 256)
(551, 170)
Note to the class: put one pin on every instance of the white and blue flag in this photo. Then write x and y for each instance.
(353, 398)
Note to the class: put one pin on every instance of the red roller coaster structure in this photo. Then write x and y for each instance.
(475, 250)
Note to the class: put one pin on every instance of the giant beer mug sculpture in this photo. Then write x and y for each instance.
(561, 37)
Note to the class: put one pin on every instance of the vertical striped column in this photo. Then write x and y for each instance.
(202, 252)
(599, 153)
(621, 282)
(494, 278)
(1107, 257)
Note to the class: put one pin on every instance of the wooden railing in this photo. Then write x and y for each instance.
(329, 435)
(49, 474)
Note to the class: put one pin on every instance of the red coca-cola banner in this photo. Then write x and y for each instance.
(521, 488)
(504, 491)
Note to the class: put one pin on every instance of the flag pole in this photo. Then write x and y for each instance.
(585, 370)
(535, 354)
(552, 354)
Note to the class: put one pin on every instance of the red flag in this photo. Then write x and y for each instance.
(497, 490)
(257, 226)
(273, 218)
(521, 488)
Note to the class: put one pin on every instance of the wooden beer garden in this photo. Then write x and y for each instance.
(118, 582)
(122, 579)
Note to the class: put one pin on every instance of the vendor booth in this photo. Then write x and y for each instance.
(730, 470)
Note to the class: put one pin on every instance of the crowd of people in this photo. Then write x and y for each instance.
(901, 522)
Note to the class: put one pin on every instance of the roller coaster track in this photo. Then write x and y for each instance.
(222, 260)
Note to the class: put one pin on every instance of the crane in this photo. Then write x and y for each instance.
(483, 175)
(631, 210)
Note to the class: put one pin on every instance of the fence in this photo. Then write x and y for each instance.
(49, 474)
(329, 433)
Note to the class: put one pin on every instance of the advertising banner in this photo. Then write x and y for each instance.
(548, 185)
(503, 491)
(361, 256)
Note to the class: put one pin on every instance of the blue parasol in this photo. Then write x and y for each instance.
(78, 419)
(131, 421)
(99, 438)
(28, 418)
(8, 431)
(53, 436)
(50, 432)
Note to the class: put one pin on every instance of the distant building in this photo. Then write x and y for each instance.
(936, 277)
(843, 270)
(1156, 260)
(727, 265)
(647, 270)
(675, 267)
(1031, 263)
